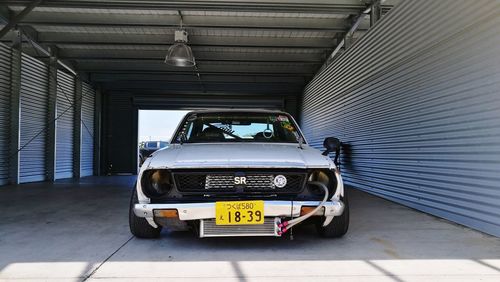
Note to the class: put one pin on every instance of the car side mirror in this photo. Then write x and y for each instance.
(332, 144)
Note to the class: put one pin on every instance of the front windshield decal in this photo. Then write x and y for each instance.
(288, 126)
(282, 118)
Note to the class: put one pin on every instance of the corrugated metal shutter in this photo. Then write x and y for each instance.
(87, 154)
(34, 113)
(64, 125)
(4, 112)
(418, 101)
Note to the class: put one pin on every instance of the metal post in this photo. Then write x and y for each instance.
(77, 129)
(375, 12)
(97, 132)
(51, 119)
(347, 40)
(15, 104)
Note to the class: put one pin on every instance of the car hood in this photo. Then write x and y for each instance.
(238, 155)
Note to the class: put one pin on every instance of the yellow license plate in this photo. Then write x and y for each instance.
(239, 212)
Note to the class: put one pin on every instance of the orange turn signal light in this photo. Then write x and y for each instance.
(306, 210)
(167, 213)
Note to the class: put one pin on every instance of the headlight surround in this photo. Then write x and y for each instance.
(324, 176)
(156, 183)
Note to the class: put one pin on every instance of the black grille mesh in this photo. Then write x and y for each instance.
(208, 182)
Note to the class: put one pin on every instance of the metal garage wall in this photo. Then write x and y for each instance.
(4, 112)
(87, 152)
(65, 125)
(418, 101)
(34, 111)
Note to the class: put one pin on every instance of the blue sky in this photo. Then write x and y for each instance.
(157, 125)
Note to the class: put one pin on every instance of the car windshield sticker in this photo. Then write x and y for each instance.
(287, 125)
(191, 117)
(283, 118)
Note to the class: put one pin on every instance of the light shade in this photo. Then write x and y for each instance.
(180, 55)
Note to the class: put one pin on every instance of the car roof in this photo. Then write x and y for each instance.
(237, 111)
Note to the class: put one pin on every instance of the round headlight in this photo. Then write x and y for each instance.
(157, 183)
(324, 176)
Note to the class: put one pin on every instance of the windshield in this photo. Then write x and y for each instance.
(237, 127)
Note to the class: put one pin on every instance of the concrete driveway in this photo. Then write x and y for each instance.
(79, 232)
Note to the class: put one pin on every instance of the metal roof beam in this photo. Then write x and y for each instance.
(206, 88)
(4, 15)
(145, 39)
(227, 75)
(241, 59)
(92, 69)
(337, 6)
(141, 46)
(208, 66)
(46, 52)
(139, 78)
(202, 26)
(347, 40)
(19, 17)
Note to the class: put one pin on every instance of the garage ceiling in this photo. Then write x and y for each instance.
(266, 47)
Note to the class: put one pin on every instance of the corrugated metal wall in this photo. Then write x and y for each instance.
(65, 125)
(87, 155)
(4, 112)
(417, 99)
(34, 113)
(35, 120)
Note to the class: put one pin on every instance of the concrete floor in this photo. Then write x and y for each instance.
(79, 231)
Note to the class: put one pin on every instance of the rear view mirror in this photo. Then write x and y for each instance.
(332, 144)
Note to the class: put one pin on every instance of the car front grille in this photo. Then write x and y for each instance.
(224, 182)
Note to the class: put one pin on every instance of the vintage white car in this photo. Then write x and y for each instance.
(239, 173)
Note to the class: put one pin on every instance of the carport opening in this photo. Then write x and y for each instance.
(155, 130)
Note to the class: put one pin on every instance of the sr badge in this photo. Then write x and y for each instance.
(280, 181)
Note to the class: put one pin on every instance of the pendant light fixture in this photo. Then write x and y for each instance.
(180, 54)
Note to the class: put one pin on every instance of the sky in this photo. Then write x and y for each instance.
(158, 125)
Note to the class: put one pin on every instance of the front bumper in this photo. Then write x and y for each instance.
(197, 211)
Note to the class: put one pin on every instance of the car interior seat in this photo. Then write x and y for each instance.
(210, 134)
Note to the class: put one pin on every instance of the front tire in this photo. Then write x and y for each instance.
(139, 226)
(339, 225)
